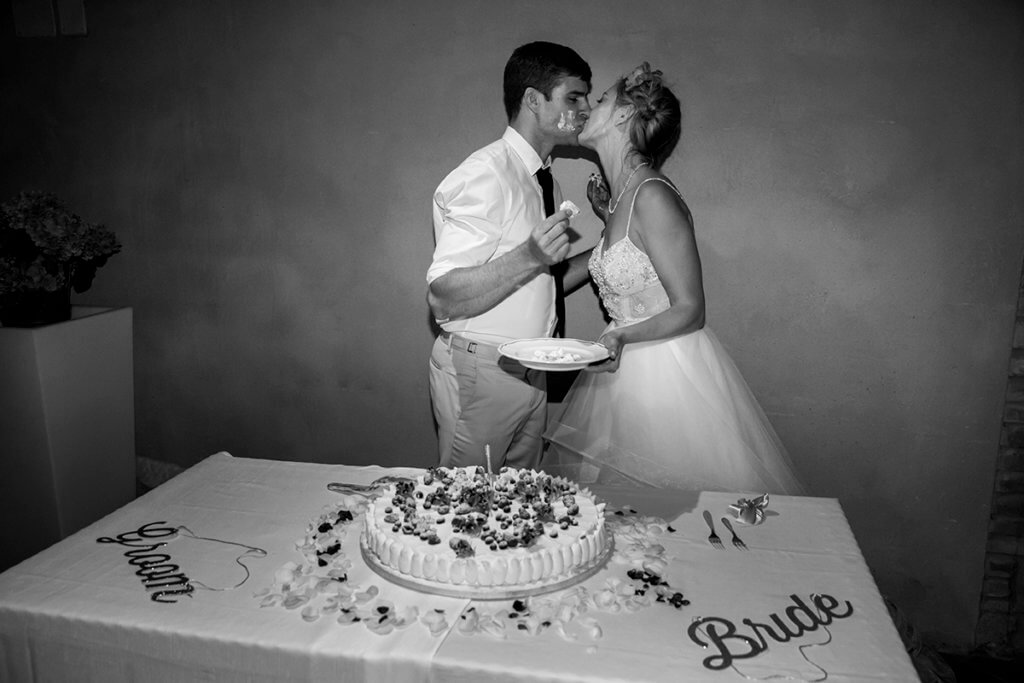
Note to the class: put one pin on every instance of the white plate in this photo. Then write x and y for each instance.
(525, 351)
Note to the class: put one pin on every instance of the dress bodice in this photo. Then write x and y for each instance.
(626, 280)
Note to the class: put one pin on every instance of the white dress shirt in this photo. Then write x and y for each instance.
(484, 208)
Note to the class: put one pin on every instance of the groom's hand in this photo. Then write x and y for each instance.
(549, 241)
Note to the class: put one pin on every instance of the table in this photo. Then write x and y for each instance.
(79, 611)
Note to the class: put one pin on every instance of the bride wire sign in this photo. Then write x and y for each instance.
(46, 251)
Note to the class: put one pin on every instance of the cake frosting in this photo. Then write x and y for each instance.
(462, 527)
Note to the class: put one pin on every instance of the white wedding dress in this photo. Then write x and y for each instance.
(676, 413)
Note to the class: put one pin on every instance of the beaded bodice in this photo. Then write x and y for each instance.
(629, 287)
(626, 280)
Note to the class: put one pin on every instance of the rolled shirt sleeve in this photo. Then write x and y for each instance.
(483, 209)
(469, 207)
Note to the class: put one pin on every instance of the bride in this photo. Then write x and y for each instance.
(669, 407)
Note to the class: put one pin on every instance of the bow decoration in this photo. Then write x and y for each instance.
(750, 510)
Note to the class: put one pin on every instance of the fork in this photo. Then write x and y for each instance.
(736, 541)
(713, 539)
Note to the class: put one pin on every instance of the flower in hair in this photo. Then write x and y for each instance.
(641, 75)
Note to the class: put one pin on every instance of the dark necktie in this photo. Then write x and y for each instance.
(547, 186)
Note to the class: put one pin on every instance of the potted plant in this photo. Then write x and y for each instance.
(45, 252)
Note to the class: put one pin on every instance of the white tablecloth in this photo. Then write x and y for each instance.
(78, 610)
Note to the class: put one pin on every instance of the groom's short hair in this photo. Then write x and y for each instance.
(540, 65)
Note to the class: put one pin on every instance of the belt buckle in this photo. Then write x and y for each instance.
(471, 347)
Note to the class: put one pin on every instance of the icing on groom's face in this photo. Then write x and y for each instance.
(569, 107)
(567, 121)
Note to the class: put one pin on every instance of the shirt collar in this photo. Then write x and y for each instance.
(531, 160)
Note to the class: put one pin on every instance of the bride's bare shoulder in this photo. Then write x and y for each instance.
(660, 206)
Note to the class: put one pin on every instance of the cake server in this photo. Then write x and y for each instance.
(372, 487)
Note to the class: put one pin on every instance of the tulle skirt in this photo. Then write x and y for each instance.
(677, 413)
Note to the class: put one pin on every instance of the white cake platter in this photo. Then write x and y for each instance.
(487, 592)
(526, 352)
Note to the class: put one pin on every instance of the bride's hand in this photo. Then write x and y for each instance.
(613, 342)
(598, 194)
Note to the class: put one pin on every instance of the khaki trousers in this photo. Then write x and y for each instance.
(480, 398)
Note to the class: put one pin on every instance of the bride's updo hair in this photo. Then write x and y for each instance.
(656, 124)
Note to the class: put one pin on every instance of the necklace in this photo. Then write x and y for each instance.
(611, 209)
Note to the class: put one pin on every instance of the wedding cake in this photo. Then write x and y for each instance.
(463, 531)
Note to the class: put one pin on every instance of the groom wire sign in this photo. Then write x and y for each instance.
(155, 569)
(731, 644)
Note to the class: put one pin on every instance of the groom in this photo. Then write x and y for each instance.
(497, 236)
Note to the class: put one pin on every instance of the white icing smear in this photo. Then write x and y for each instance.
(567, 121)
